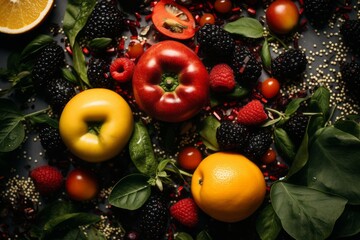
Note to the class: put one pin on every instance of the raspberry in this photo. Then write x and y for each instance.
(122, 69)
(222, 78)
(252, 113)
(231, 136)
(185, 211)
(47, 179)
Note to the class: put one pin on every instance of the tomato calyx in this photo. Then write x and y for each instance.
(173, 20)
(169, 82)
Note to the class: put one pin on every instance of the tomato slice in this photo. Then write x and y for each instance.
(173, 20)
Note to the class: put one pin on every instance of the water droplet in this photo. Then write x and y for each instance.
(314, 179)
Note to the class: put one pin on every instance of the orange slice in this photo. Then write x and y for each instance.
(18, 16)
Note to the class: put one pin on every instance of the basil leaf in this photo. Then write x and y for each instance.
(349, 222)
(265, 54)
(141, 151)
(208, 132)
(301, 157)
(245, 26)
(69, 75)
(99, 43)
(13, 62)
(12, 131)
(268, 224)
(334, 164)
(203, 235)
(36, 45)
(320, 100)
(348, 126)
(316, 212)
(44, 118)
(294, 105)
(94, 233)
(284, 144)
(80, 63)
(76, 15)
(72, 234)
(238, 92)
(183, 236)
(131, 192)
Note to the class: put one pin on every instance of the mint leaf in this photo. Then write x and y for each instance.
(131, 192)
(316, 212)
(245, 26)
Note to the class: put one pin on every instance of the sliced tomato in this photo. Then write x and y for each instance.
(173, 20)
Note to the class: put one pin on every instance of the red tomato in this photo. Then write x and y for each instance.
(173, 20)
(223, 6)
(135, 49)
(269, 156)
(270, 88)
(81, 185)
(282, 16)
(189, 158)
(207, 18)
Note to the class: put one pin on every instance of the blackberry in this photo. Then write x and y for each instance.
(106, 20)
(215, 41)
(246, 68)
(350, 74)
(318, 11)
(154, 217)
(350, 31)
(295, 127)
(289, 64)
(58, 93)
(97, 70)
(232, 136)
(47, 65)
(259, 142)
(50, 139)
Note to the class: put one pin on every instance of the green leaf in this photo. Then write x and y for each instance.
(265, 54)
(316, 212)
(36, 45)
(12, 131)
(93, 233)
(131, 192)
(284, 144)
(183, 236)
(13, 62)
(141, 151)
(208, 132)
(69, 75)
(334, 163)
(349, 222)
(99, 43)
(301, 157)
(245, 26)
(76, 15)
(348, 126)
(268, 224)
(294, 105)
(80, 63)
(320, 100)
(45, 118)
(238, 92)
(203, 235)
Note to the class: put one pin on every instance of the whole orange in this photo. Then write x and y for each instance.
(228, 186)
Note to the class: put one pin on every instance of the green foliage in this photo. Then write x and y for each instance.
(268, 224)
(208, 132)
(245, 26)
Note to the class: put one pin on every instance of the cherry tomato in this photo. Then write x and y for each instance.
(269, 156)
(135, 49)
(81, 185)
(270, 88)
(282, 16)
(207, 18)
(223, 6)
(189, 158)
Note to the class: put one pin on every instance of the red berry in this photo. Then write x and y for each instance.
(122, 69)
(47, 179)
(270, 87)
(221, 78)
(223, 6)
(135, 49)
(189, 158)
(269, 156)
(207, 18)
(252, 113)
(185, 211)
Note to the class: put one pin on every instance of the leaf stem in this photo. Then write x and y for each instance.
(185, 173)
(275, 111)
(272, 36)
(37, 112)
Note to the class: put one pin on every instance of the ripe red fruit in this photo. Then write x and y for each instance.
(223, 6)
(135, 49)
(282, 16)
(185, 211)
(221, 78)
(270, 87)
(47, 179)
(189, 158)
(81, 185)
(122, 69)
(252, 113)
(207, 18)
